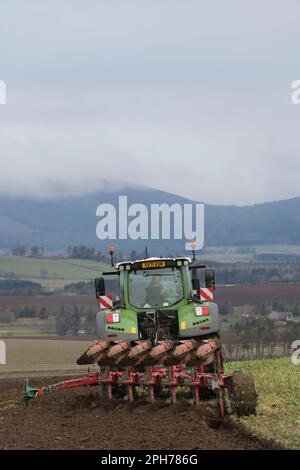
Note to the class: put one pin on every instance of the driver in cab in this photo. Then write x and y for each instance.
(155, 293)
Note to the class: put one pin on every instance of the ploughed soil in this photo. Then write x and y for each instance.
(81, 419)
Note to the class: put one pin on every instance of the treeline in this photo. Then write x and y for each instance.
(81, 252)
(64, 320)
(88, 287)
(257, 274)
(29, 288)
(84, 252)
(10, 314)
(265, 331)
(72, 322)
(81, 287)
(18, 287)
(261, 309)
(278, 258)
(259, 339)
(23, 250)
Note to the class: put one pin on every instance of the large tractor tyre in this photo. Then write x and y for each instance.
(243, 396)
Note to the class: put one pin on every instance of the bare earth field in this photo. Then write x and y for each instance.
(42, 355)
(237, 295)
(259, 293)
(79, 419)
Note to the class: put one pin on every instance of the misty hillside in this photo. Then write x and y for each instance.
(55, 224)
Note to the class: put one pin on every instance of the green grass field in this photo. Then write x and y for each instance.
(31, 328)
(278, 385)
(25, 267)
(52, 273)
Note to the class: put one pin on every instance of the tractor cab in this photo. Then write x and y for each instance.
(156, 297)
(155, 283)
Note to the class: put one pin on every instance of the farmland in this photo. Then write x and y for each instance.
(277, 382)
(80, 419)
(278, 386)
(52, 273)
(236, 295)
(41, 355)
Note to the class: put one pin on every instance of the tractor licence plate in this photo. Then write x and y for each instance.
(153, 264)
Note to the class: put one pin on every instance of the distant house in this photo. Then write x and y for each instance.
(82, 332)
(250, 316)
(281, 316)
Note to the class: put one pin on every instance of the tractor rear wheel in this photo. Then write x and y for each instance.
(243, 396)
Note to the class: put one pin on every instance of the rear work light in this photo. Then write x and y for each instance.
(112, 318)
(201, 311)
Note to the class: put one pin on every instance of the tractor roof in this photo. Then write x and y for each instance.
(153, 263)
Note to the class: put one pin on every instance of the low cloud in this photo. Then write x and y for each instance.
(189, 98)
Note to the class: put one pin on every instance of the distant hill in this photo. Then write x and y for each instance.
(55, 224)
(269, 223)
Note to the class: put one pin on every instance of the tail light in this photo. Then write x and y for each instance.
(202, 311)
(112, 318)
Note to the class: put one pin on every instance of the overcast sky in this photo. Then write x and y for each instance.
(192, 97)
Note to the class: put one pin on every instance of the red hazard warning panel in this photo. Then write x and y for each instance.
(105, 301)
(207, 294)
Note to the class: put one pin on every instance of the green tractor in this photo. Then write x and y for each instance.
(158, 300)
(160, 332)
